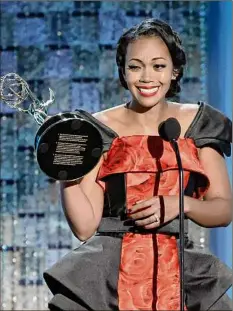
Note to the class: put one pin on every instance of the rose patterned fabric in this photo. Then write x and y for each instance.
(144, 158)
(149, 273)
(149, 268)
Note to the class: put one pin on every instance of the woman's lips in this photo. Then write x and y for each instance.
(148, 92)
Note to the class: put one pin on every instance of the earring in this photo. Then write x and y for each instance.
(175, 74)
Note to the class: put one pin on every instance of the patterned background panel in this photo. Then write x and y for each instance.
(68, 46)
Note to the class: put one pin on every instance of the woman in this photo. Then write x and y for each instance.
(125, 210)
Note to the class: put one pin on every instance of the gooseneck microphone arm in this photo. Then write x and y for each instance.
(169, 130)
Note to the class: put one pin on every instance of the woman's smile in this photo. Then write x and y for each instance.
(147, 91)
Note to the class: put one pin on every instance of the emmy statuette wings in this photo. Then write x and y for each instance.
(68, 145)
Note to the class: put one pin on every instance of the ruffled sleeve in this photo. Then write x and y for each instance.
(107, 133)
(211, 128)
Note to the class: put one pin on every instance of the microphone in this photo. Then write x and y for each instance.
(170, 130)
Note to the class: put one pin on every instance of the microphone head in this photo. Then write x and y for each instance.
(170, 129)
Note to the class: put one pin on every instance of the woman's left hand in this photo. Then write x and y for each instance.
(154, 212)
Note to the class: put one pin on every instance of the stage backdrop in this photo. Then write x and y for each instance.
(219, 49)
(69, 46)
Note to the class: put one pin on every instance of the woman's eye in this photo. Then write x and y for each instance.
(133, 67)
(159, 66)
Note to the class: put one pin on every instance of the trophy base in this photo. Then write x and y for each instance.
(68, 147)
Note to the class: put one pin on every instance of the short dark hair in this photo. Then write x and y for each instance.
(157, 28)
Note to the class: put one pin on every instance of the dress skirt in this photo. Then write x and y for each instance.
(122, 273)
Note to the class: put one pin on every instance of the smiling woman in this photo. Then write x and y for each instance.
(125, 210)
(148, 77)
(163, 53)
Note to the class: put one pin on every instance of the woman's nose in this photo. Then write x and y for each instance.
(146, 76)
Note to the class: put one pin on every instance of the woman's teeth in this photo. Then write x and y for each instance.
(149, 91)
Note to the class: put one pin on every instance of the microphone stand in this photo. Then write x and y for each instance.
(181, 220)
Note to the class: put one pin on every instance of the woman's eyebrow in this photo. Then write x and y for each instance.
(155, 58)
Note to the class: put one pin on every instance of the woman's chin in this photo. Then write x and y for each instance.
(147, 104)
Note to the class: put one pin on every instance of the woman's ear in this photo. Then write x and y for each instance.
(175, 74)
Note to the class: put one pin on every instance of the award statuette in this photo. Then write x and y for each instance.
(67, 146)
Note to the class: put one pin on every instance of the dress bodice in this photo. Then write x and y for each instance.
(150, 166)
(139, 166)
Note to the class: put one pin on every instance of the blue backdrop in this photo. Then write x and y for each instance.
(220, 96)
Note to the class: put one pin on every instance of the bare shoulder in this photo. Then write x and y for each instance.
(111, 117)
(184, 108)
(189, 109)
(186, 113)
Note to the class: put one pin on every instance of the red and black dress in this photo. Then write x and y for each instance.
(124, 267)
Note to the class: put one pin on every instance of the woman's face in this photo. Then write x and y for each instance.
(148, 71)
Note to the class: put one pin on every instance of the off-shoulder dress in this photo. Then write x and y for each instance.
(123, 267)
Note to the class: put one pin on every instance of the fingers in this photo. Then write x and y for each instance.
(140, 205)
(146, 213)
(152, 221)
(142, 213)
(152, 226)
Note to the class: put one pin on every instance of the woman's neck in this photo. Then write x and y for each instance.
(147, 116)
